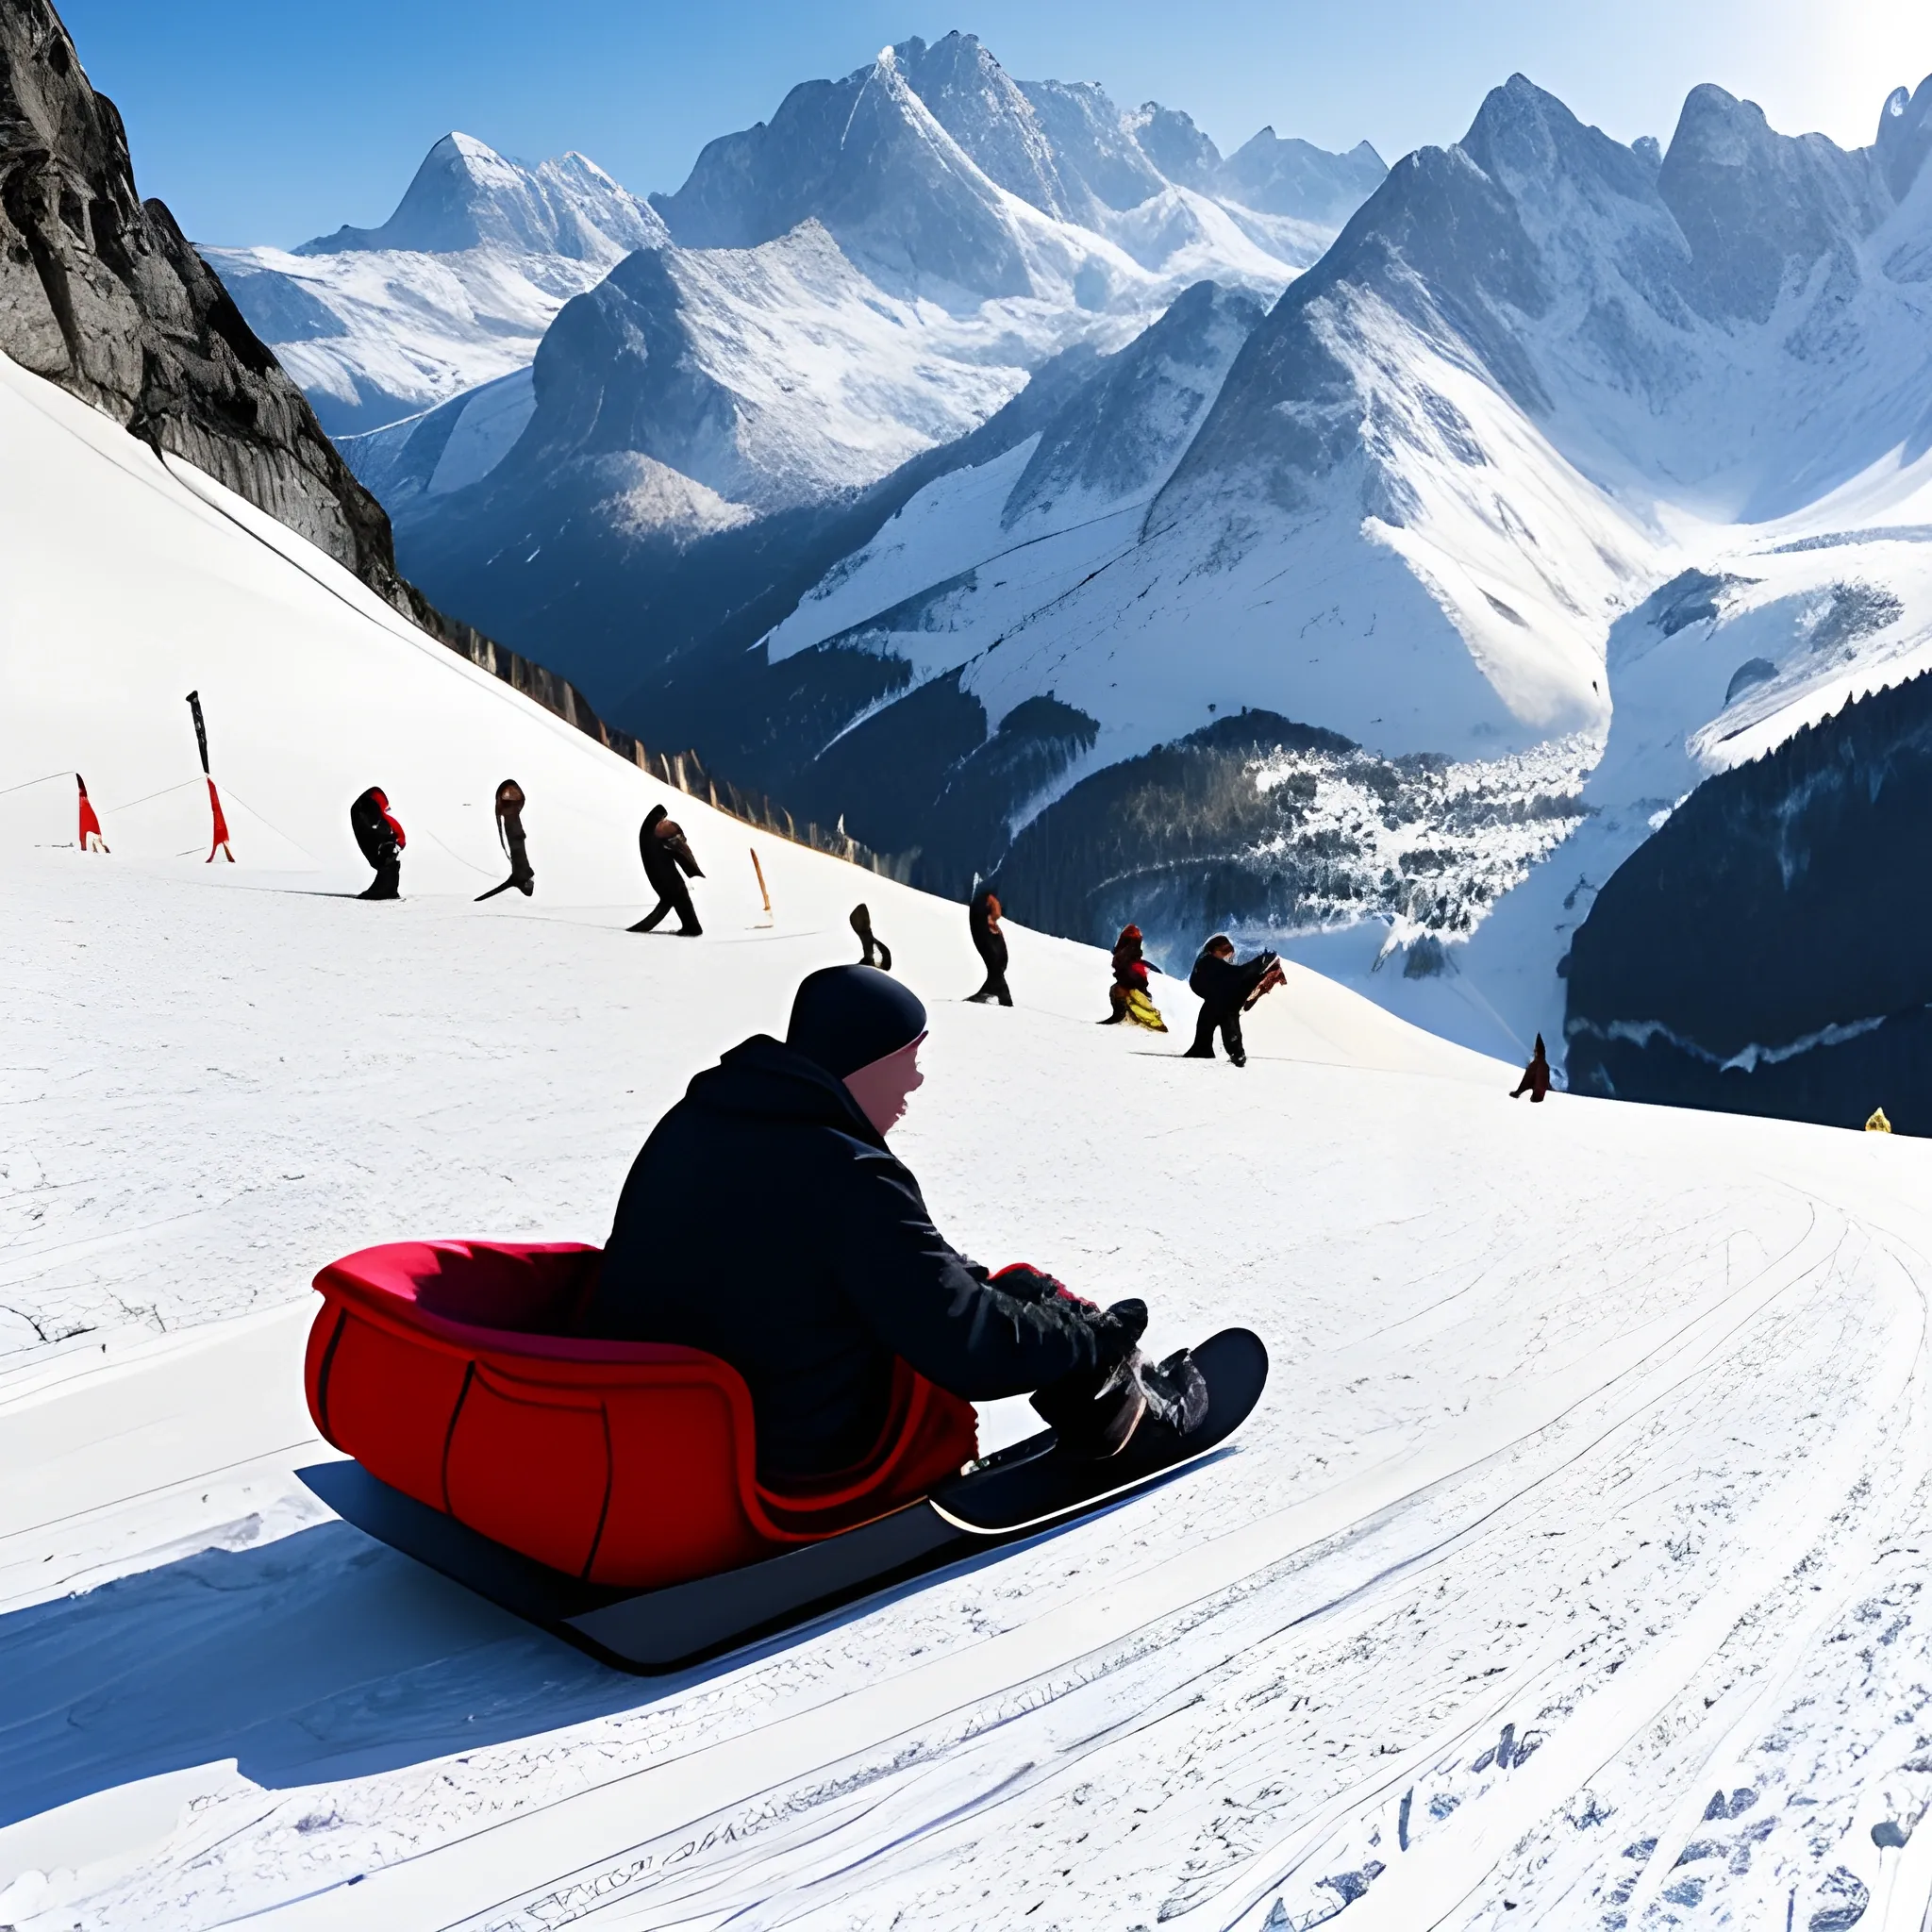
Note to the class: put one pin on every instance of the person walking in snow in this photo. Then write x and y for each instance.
(1226, 991)
(839, 1275)
(875, 951)
(990, 943)
(668, 859)
(382, 839)
(1536, 1077)
(509, 835)
(1128, 996)
(91, 838)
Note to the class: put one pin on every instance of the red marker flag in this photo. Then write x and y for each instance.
(90, 840)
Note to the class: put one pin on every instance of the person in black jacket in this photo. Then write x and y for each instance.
(1226, 991)
(767, 1223)
(990, 943)
(667, 857)
(382, 839)
(509, 835)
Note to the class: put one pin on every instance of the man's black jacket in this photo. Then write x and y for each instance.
(1222, 985)
(766, 1223)
(374, 835)
(663, 857)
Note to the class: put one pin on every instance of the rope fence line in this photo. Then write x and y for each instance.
(24, 783)
(163, 793)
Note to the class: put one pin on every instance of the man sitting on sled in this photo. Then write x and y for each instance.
(767, 1223)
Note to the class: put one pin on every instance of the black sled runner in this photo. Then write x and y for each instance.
(1020, 1491)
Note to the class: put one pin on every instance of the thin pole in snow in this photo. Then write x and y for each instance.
(214, 798)
(764, 890)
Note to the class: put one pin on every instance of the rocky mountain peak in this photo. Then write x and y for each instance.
(1757, 207)
(1180, 150)
(1295, 178)
(99, 292)
(466, 196)
(1548, 160)
(973, 98)
(1905, 137)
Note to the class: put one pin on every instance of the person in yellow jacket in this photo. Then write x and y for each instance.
(1128, 996)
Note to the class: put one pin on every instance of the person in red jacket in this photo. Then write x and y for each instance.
(1536, 1077)
(382, 839)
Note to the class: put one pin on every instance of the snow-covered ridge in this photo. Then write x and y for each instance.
(947, 182)
(454, 290)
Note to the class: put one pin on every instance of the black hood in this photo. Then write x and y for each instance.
(762, 1079)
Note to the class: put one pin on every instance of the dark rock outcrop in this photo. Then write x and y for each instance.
(99, 292)
(1768, 950)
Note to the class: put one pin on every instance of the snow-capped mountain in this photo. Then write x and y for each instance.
(454, 290)
(1411, 537)
(867, 278)
(927, 164)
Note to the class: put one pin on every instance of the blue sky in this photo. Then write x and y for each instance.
(273, 120)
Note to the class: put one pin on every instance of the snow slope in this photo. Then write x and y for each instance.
(1575, 1565)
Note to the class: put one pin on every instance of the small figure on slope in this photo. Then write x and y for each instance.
(766, 1221)
(382, 840)
(1536, 1077)
(1879, 1124)
(668, 859)
(90, 840)
(1128, 996)
(990, 943)
(875, 951)
(1227, 991)
(509, 835)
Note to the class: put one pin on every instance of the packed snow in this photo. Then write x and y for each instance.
(1575, 1565)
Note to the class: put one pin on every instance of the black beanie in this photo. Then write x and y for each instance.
(846, 1017)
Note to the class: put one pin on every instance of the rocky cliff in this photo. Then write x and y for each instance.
(99, 292)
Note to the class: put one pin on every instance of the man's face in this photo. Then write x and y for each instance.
(883, 1089)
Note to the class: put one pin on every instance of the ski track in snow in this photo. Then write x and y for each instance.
(1590, 1484)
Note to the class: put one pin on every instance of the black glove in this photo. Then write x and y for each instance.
(1176, 1391)
(1118, 1328)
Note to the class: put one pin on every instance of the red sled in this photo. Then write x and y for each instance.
(608, 1490)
